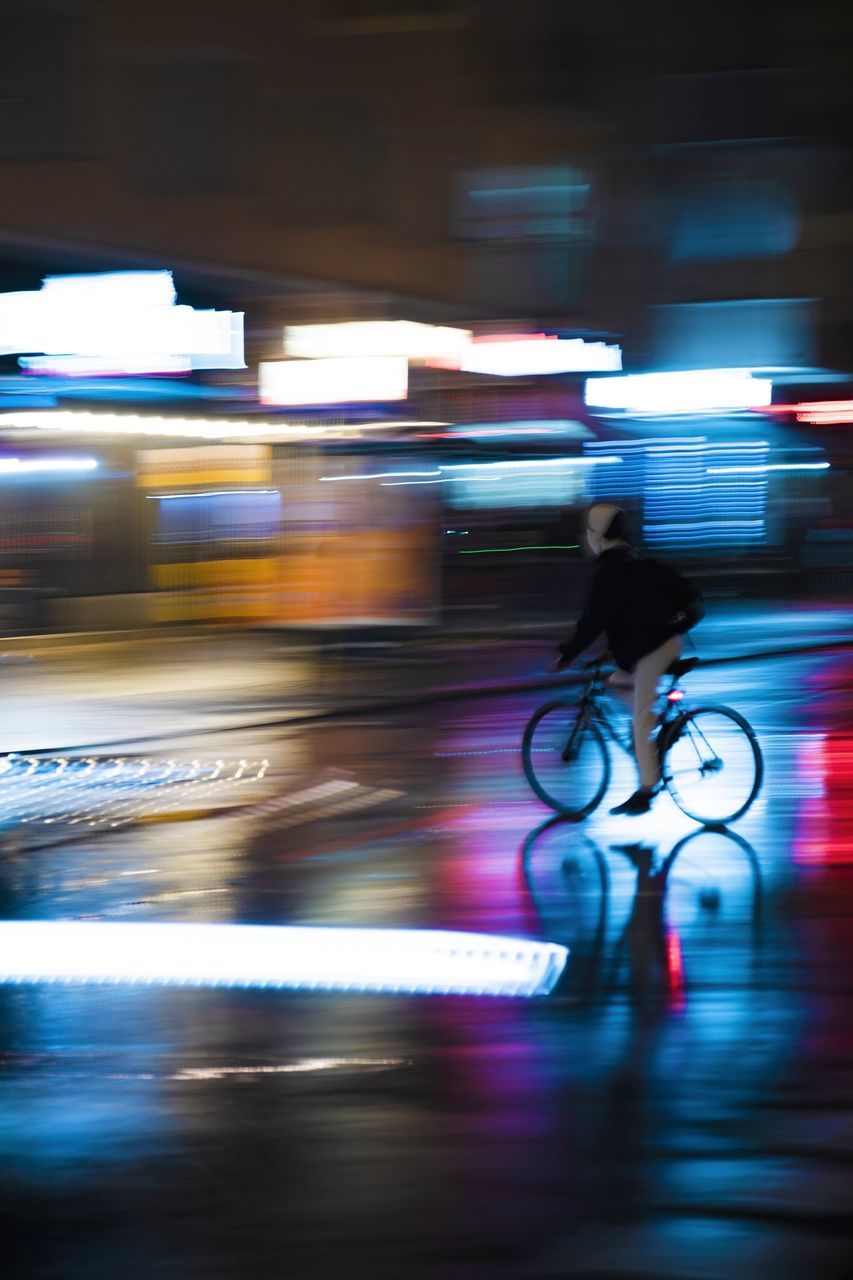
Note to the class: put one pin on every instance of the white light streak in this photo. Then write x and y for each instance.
(214, 493)
(379, 475)
(29, 466)
(762, 469)
(359, 338)
(304, 1066)
(333, 381)
(535, 355)
(71, 422)
(689, 391)
(419, 961)
(120, 322)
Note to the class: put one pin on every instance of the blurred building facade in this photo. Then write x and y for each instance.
(527, 157)
(679, 179)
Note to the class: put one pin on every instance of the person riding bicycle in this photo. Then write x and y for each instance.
(644, 608)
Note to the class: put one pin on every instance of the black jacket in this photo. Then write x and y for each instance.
(613, 609)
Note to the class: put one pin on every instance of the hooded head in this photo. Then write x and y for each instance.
(605, 528)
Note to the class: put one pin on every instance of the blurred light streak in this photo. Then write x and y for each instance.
(825, 834)
(303, 1066)
(333, 380)
(500, 551)
(359, 338)
(820, 412)
(30, 466)
(763, 468)
(689, 391)
(675, 969)
(520, 355)
(121, 321)
(482, 470)
(213, 493)
(123, 366)
(379, 475)
(513, 430)
(68, 421)
(419, 961)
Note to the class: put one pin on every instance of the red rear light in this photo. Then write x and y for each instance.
(675, 695)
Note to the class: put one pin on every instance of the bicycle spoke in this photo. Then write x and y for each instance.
(713, 765)
(565, 758)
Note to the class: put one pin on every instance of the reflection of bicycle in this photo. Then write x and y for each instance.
(711, 762)
(699, 907)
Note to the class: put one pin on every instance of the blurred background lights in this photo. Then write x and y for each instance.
(333, 380)
(534, 354)
(689, 391)
(404, 338)
(31, 466)
(116, 322)
(421, 961)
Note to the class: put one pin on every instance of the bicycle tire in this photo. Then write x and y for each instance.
(675, 732)
(590, 732)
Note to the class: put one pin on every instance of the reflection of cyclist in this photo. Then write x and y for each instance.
(644, 608)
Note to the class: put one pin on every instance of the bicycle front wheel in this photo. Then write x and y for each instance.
(565, 759)
(712, 764)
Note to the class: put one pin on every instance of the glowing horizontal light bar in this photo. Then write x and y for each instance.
(333, 381)
(124, 366)
(761, 468)
(515, 464)
(513, 430)
(355, 338)
(534, 354)
(64, 421)
(694, 391)
(116, 322)
(214, 493)
(422, 961)
(820, 412)
(494, 470)
(382, 475)
(28, 466)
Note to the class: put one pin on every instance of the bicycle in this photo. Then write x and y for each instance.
(711, 762)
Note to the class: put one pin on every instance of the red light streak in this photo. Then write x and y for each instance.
(674, 969)
(817, 413)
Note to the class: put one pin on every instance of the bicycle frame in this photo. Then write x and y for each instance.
(592, 709)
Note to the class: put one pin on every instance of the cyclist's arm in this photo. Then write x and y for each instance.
(590, 625)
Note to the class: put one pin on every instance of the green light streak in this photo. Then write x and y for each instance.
(499, 551)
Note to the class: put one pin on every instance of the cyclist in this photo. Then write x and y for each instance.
(644, 608)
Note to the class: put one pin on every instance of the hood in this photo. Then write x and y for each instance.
(599, 520)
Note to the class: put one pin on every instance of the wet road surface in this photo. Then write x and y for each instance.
(681, 1106)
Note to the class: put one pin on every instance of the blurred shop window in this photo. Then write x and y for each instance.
(530, 231)
(331, 161)
(741, 219)
(536, 203)
(39, 53)
(185, 118)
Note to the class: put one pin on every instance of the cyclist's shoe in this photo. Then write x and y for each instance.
(639, 802)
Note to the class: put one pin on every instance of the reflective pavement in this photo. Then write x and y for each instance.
(681, 1105)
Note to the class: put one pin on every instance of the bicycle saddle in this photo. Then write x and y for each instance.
(681, 666)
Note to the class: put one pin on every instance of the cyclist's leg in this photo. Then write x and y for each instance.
(646, 677)
(621, 685)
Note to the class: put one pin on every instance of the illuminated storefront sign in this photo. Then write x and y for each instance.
(336, 380)
(356, 338)
(690, 391)
(520, 355)
(116, 323)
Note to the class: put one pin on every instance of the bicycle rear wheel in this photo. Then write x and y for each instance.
(712, 764)
(565, 759)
